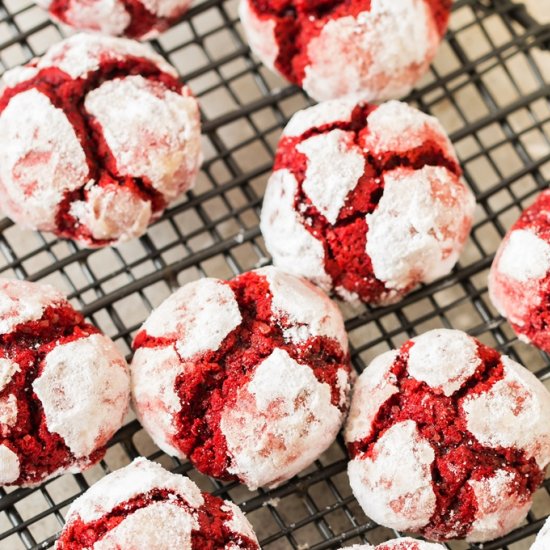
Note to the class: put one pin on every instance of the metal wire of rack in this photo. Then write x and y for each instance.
(490, 86)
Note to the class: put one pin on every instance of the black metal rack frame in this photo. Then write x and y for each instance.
(490, 85)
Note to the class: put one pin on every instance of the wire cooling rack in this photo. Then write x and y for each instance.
(490, 86)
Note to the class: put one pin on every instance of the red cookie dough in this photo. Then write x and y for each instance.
(249, 378)
(366, 201)
(519, 280)
(141, 19)
(97, 137)
(447, 438)
(144, 506)
(543, 538)
(64, 386)
(371, 49)
(399, 544)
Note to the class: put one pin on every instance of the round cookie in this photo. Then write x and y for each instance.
(543, 538)
(519, 280)
(97, 137)
(142, 19)
(64, 386)
(366, 201)
(247, 378)
(145, 506)
(371, 49)
(447, 438)
(405, 543)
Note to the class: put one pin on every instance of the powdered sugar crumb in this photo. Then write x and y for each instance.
(293, 248)
(9, 465)
(420, 226)
(304, 310)
(374, 387)
(514, 412)
(334, 166)
(500, 508)
(444, 359)
(21, 302)
(140, 477)
(274, 430)
(184, 314)
(84, 390)
(394, 487)
(238, 523)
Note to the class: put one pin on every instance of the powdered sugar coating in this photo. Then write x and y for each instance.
(524, 256)
(154, 373)
(9, 465)
(260, 34)
(444, 359)
(489, 442)
(289, 422)
(41, 159)
(105, 16)
(334, 167)
(361, 210)
(8, 414)
(139, 477)
(143, 525)
(141, 19)
(514, 412)
(396, 126)
(185, 314)
(152, 132)
(405, 543)
(266, 334)
(418, 230)
(177, 513)
(113, 210)
(7, 370)
(327, 112)
(369, 394)
(101, 162)
(295, 249)
(303, 308)
(500, 508)
(377, 55)
(394, 487)
(83, 53)
(21, 302)
(543, 538)
(81, 380)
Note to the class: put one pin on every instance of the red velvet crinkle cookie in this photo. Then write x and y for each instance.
(132, 18)
(543, 538)
(97, 137)
(144, 506)
(366, 201)
(398, 544)
(64, 386)
(248, 378)
(519, 280)
(447, 438)
(372, 49)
